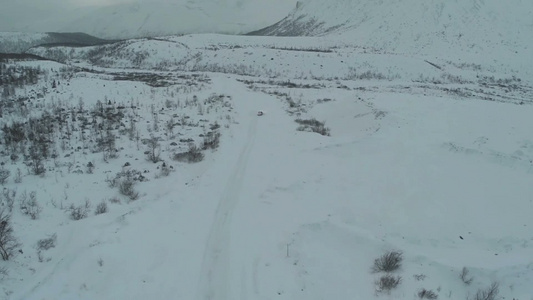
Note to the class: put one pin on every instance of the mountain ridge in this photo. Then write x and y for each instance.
(477, 27)
(19, 42)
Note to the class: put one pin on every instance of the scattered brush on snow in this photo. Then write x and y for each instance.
(427, 294)
(489, 293)
(79, 212)
(419, 277)
(29, 205)
(101, 208)
(387, 282)
(47, 243)
(388, 262)
(192, 155)
(313, 125)
(126, 188)
(211, 140)
(125, 181)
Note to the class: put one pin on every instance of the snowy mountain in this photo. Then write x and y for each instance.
(128, 19)
(491, 29)
(18, 42)
(166, 18)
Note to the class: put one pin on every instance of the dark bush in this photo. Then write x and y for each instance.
(79, 212)
(313, 125)
(427, 294)
(192, 155)
(101, 208)
(387, 282)
(388, 262)
(45, 244)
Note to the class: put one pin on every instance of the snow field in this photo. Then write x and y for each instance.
(275, 213)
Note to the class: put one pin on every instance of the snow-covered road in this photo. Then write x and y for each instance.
(214, 280)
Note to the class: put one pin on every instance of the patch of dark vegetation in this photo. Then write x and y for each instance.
(192, 155)
(284, 83)
(160, 79)
(386, 283)
(427, 294)
(304, 49)
(211, 140)
(313, 125)
(390, 261)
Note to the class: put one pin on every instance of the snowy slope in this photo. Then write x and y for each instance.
(280, 214)
(461, 29)
(430, 153)
(164, 18)
(128, 19)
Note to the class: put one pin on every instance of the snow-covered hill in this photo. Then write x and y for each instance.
(464, 29)
(128, 19)
(165, 18)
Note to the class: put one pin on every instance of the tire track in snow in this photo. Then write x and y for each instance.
(214, 281)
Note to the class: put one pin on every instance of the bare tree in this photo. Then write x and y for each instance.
(154, 150)
(490, 293)
(8, 242)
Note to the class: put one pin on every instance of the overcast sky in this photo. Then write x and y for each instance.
(52, 15)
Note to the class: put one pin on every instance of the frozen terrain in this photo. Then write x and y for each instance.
(361, 150)
(120, 19)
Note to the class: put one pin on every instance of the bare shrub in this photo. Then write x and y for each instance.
(313, 125)
(464, 275)
(101, 208)
(8, 199)
(29, 205)
(4, 175)
(115, 200)
(388, 262)
(112, 182)
(8, 241)
(419, 277)
(126, 188)
(387, 282)
(192, 155)
(211, 140)
(427, 294)
(47, 243)
(154, 150)
(489, 293)
(79, 212)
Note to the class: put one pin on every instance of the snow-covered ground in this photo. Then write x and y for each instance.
(429, 156)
